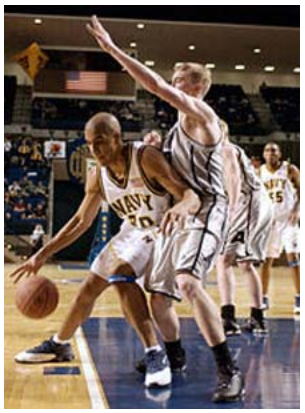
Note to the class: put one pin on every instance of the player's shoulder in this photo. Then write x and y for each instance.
(93, 178)
(292, 170)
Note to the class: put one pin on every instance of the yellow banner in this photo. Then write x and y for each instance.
(31, 60)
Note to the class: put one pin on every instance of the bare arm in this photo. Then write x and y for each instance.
(75, 227)
(158, 169)
(151, 81)
(232, 175)
(294, 176)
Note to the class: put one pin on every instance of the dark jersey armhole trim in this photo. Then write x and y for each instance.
(157, 190)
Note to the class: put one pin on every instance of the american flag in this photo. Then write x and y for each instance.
(91, 82)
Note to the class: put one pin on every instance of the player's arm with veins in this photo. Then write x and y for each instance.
(151, 81)
(157, 168)
(70, 232)
(294, 175)
(232, 176)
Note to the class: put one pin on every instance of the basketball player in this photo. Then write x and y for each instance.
(132, 179)
(250, 215)
(194, 149)
(282, 181)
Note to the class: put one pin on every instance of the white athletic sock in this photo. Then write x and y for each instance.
(59, 341)
(157, 348)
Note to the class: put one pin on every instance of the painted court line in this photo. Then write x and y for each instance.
(96, 398)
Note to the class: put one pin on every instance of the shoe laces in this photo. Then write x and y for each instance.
(153, 358)
(45, 345)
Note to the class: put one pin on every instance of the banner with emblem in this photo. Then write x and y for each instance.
(77, 155)
(32, 59)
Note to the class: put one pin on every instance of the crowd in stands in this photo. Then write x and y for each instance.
(74, 113)
(284, 103)
(25, 185)
(231, 104)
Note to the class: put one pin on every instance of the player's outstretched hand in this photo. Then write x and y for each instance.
(29, 267)
(153, 138)
(174, 217)
(100, 34)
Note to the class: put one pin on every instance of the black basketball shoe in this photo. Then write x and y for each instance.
(46, 352)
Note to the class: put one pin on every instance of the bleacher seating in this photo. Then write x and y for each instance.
(284, 103)
(26, 186)
(231, 103)
(72, 114)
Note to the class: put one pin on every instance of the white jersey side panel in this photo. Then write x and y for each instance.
(133, 200)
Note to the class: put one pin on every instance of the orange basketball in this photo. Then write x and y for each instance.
(36, 297)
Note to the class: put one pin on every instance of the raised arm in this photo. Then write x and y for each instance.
(157, 169)
(74, 228)
(151, 80)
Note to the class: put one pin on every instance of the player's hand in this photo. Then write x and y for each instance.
(29, 267)
(153, 138)
(294, 218)
(174, 217)
(100, 34)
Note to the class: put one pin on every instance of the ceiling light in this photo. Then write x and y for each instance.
(257, 50)
(150, 63)
(210, 65)
(296, 70)
(191, 47)
(140, 26)
(269, 68)
(240, 67)
(38, 21)
(133, 44)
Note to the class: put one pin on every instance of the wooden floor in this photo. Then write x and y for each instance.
(26, 387)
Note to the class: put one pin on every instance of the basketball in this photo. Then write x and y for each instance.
(36, 297)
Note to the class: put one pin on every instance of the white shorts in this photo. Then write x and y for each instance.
(132, 245)
(283, 236)
(192, 250)
(250, 228)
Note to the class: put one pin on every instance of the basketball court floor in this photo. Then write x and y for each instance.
(103, 374)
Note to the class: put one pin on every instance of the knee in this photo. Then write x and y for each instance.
(245, 266)
(188, 286)
(90, 290)
(160, 301)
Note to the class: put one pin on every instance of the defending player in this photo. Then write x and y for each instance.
(194, 149)
(134, 186)
(282, 181)
(250, 215)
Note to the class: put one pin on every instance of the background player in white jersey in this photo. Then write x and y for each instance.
(250, 215)
(135, 188)
(282, 181)
(194, 149)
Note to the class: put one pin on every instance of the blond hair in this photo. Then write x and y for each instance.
(198, 72)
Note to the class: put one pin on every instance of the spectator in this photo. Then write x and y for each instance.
(19, 206)
(40, 211)
(37, 238)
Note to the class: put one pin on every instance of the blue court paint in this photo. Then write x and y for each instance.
(61, 371)
(271, 366)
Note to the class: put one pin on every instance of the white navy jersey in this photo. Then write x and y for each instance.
(135, 200)
(250, 179)
(280, 189)
(201, 166)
